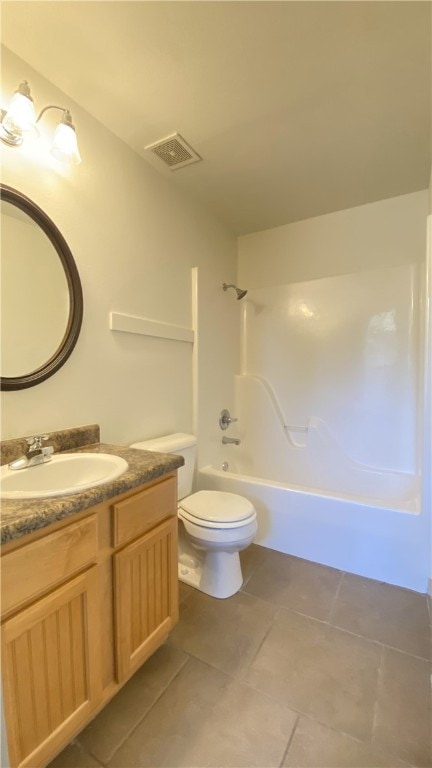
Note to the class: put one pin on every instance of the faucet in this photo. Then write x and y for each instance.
(36, 453)
(225, 419)
(233, 440)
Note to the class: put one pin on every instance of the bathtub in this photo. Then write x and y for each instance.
(379, 534)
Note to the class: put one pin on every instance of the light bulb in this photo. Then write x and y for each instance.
(65, 146)
(20, 116)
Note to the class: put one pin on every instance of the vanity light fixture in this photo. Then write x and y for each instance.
(21, 118)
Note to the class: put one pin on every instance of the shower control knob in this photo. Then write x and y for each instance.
(225, 419)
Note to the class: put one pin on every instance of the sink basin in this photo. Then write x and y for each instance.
(65, 473)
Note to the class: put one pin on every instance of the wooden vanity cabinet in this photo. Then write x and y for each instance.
(83, 606)
(145, 574)
(51, 672)
(145, 596)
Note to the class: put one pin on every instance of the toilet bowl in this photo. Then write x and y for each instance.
(218, 526)
(214, 526)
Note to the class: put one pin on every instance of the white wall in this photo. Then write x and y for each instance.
(389, 233)
(361, 243)
(135, 240)
(343, 350)
(384, 234)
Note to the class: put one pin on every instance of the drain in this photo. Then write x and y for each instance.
(225, 466)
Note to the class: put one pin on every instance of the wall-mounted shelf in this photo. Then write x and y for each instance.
(146, 327)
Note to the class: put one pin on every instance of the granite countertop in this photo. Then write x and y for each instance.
(20, 517)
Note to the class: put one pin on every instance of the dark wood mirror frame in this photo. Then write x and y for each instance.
(70, 337)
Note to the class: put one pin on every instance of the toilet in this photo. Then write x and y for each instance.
(213, 525)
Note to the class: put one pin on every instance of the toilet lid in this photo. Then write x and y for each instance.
(217, 506)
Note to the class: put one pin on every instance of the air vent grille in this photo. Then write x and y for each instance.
(174, 151)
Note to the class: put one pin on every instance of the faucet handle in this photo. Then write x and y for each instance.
(225, 419)
(35, 443)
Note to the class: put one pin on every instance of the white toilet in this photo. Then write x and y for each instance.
(214, 525)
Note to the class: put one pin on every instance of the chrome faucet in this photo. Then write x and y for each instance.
(228, 440)
(36, 453)
(225, 419)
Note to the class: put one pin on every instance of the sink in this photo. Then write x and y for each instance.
(64, 474)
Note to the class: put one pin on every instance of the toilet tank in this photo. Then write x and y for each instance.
(180, 443)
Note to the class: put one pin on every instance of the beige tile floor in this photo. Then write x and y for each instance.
(305, 667)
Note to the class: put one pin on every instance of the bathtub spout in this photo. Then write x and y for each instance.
(233, 440)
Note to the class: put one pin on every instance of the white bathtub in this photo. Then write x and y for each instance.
(381, 536)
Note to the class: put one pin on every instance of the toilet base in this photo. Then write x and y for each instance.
(218, 574)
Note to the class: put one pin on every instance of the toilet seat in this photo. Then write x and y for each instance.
(214, 526)
(217, 509)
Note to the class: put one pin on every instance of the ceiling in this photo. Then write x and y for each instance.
(297, 108)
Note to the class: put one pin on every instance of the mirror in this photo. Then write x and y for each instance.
(41, 294)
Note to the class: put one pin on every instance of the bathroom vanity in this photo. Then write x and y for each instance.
(89, 592)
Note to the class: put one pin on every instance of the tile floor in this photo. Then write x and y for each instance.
(306, 666)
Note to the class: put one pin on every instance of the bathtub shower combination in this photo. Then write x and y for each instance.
(327, 405)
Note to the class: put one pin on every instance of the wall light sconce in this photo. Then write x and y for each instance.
(21, 118)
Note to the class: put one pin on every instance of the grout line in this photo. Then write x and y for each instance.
(257, 565)
(187, 596)
(359, 740)
(313, 718)
(246, 581)
(380, 684)
(280, 609)
(289, 742)
(231, 677)
(284, 608)
(380, 679)
(136, 725)
(260, 645)
(84, 750)
(234, 676)
(289, 705)
(383, 645)
(353, 634)
(335, 598)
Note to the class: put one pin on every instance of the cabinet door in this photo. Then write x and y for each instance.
(51, 677)
(146, 595)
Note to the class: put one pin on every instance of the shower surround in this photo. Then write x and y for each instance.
(328, 403)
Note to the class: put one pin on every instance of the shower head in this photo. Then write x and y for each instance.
(240, 293)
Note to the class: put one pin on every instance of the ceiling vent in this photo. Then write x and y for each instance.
(174, 151)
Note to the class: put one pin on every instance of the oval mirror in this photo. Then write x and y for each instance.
(41, 294)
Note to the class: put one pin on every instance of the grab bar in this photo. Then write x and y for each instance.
(286, 428)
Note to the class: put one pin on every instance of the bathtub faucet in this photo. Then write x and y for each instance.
(233, 440)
